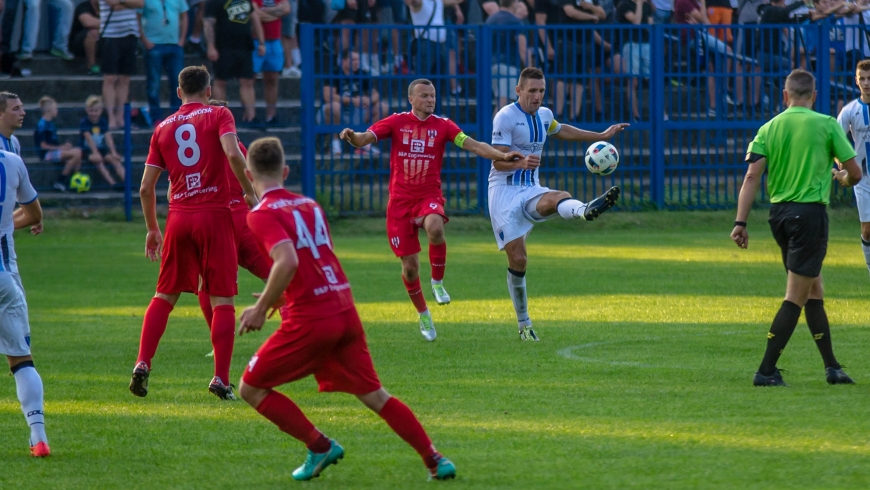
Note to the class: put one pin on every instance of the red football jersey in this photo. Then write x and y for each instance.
(319, 287)
(417, 154)
(237, 194)
(272, 28)
(188, 145)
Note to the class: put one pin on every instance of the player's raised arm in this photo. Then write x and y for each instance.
(358, 140)
(570, 133)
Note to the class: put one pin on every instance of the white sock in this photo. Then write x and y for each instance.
(517, 289)
(29, 386)
(571, 208)
(296, 56)
(434, 282)
(866, 246)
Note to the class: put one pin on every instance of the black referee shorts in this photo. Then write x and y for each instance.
(801, 231)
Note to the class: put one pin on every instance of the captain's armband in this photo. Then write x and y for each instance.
(753, 157)
(459, 140)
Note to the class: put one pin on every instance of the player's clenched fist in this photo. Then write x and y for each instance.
(740, 236)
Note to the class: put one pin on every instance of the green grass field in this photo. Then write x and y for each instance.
(652, 325)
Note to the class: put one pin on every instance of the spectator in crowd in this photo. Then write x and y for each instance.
(635, 47)
(30, 28)
(720, 12)
(453, 17)
(238, 21)
(272, 63)
(693, 12)
(85, 33)
(50, 149)
(96, 142)
(663, 11)
(164, 31)
(195, 26)
(489, 8)
(360, 12)
(292, 55)
(429, 48)
(399, 17)
(509, 53)
(824, 9)
(119, 27)
(549, 12)
(857, 38)
(351, 100)
(588, 56)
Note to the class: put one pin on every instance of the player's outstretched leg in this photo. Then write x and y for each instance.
(223, 335)
(29, 387)
(570, 208)
(282, 412)
(153, 327)
(438, 261)
(817, 321)
(402, 420)
(205, 306)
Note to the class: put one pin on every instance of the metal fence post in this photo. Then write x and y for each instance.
(128, 163)
(309, 137)
(484, 111)
(823, 65)
(657, 115)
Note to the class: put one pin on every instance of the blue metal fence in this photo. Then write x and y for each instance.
(694, 95)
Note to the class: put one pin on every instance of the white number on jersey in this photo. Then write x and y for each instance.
(185, 144)
(304, 238)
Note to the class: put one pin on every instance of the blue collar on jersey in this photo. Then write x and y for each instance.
(517, 103)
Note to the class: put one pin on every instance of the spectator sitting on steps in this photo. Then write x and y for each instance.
(99, 148)
(50, 149)
(85, 33)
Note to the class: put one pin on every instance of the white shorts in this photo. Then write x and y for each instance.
(862, 199)
(507, 211)
(14, 325)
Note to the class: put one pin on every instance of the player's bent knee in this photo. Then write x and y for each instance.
(252, 395)
(375, 400)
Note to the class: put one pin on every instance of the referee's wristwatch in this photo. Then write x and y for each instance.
(740, 223)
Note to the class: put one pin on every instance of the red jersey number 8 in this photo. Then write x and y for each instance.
(185, 144)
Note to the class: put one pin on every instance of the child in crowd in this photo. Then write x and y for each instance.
(50, 148)
(97, 143)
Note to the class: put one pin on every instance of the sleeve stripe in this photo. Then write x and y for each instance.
(376, 136)
(155, 166)
(30, 201)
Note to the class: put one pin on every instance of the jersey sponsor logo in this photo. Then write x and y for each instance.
(252, 363)
(418, 146)
(521, 124)
(194, 181)
(395, 241)
(431, 133)
(496, 135)
(530, 147)
(283, 203)
(329, 272)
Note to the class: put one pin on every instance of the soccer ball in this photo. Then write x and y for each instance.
(601, 158)
(80, 182)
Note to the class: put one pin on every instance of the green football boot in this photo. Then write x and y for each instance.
(317, 462)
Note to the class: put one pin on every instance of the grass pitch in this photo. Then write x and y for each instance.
(652, 325)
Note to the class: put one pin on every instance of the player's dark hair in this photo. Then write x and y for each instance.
(530, 74)
(419, 81)
(4, 96)
(506, 3)
(194, 80)
(221, 103)
(800, 84)
(863, 65)
(266, 156)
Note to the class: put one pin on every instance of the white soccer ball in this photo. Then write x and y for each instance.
(601, 158)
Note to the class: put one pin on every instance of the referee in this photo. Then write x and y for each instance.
(798, 147)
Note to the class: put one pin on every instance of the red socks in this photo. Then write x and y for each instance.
(401, 419)
(153, 326)
(438, 260)
(205, 306)
(416, 294)
(282, 412)
(223, 336)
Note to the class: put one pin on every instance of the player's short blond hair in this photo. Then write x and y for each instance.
(863, 65)
(266, 156)
(93, 100)
(419, 81)
(530, 74)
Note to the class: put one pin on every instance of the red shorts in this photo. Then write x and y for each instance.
(333, 349)
(405, 217)
(250, 256)
(199, 243)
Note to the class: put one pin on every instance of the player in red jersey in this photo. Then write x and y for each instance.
(249, 254)
(419, 139)
(200, 244)
(320, 331)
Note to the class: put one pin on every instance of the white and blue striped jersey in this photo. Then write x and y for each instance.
(15, 187)
(10, 144)
(522, 132)
(855, 120)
